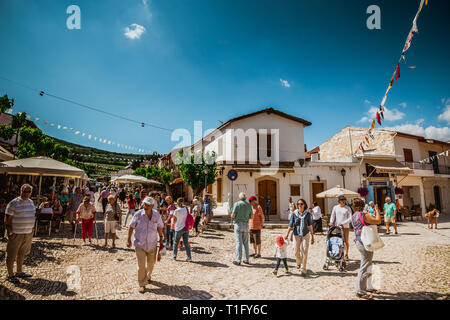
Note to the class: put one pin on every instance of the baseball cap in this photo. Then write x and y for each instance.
(341, 198)
(280, 241)
(251, 198)
(149, 201)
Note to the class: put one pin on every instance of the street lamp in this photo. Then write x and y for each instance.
(343, 172)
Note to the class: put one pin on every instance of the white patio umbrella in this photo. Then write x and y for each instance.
(128, 178)
(336, 192)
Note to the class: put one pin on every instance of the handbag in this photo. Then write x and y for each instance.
(370, 237)
(189, 220)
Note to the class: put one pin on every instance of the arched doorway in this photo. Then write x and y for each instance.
(268, 192)
(437, 197)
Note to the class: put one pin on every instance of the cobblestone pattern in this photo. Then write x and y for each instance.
(412, 265)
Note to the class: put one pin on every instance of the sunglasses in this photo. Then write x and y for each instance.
(300, 204)
(26, 191)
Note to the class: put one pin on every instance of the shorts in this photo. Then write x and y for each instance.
(19, 245)
(110, 226)
(389, 219)
(255, 236)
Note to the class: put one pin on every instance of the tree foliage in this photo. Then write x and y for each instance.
(5, 103)
(192, 167)
(163, 175)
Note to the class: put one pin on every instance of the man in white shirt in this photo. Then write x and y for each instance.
(342, 216)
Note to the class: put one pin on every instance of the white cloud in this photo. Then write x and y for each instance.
(403, 104)
(418, 129)
(147, 11)
(367, 101)
(389, 115)
(285, 83)
(134, 31)
(445, 116)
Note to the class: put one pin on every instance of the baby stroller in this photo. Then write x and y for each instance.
(335, 248)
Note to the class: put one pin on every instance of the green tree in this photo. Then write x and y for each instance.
(5, 103)
(6, 132)
(19, 120)
(192, 169)
(163, 175)
(60, 152)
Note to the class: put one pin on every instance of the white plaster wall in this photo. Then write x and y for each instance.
(291, 138)
(407, 143)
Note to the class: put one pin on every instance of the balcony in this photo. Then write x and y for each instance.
(427, 166)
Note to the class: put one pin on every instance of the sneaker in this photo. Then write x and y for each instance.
(275, 272)
(188, 260)
(142, 289)
(247, 262)
(388, 232)
(23, 275)
(13, 280)
(236, 263)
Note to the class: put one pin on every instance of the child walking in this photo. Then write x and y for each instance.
(281, 254)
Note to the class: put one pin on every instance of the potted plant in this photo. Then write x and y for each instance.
(363, 191)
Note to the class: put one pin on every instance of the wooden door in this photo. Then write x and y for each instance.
(219, 190)
(318, 187)
(267, 189)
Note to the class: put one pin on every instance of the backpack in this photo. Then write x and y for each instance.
(189, 221)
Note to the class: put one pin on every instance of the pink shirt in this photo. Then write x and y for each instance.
(86, 212)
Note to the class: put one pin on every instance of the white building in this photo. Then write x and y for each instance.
(267, 150)
(393, 161)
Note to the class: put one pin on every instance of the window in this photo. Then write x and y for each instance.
(295, 190)
(408, 155)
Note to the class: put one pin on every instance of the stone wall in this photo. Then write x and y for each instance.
(337, 148)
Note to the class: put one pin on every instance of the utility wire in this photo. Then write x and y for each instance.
(42, 93)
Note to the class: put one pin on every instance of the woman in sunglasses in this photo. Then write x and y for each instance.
(301, 224)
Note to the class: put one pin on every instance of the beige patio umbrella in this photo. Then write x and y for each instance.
(336, 192)
(128, 178)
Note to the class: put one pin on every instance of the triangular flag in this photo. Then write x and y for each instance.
(372, 125)
(378, 119)
(367, 139)
(59, 126)
(397, 72)
(382, 115)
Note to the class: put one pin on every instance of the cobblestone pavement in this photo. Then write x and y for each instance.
(413, 265)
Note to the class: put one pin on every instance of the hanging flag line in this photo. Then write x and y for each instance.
(109, 157)
(83, 134)
(379, 116)
(432, 158)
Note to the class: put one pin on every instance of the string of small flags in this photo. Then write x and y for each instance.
(109, 157)
(83, 134)
(432, 158)
(379, 116)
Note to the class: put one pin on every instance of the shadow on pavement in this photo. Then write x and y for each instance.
(212, 264)
(7, 294)
(421, 295)
(44, 287)
(183, 292)
(42, 251)
(200, 250)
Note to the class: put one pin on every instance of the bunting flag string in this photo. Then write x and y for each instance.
(84, 134)
(432, 158)
(379, 115)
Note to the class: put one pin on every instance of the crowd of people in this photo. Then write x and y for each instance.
(160, 224)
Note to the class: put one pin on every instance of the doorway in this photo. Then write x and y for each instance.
(318, 187)
(267, 189)
(219, 190)
(437, 197)
(380, 194)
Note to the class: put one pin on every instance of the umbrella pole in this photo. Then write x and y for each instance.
(40, 185)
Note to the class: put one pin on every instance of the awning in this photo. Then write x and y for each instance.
(42, 166)
(133, 179)
(390, 166)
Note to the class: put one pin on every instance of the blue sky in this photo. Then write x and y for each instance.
(210, 60)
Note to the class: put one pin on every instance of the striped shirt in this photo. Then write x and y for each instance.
(23, 215)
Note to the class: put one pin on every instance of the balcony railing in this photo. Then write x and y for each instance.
(418, 165)
(427, 166)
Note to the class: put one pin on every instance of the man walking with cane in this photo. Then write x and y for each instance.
(147, 224)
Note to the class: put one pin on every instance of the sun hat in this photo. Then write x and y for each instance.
(280, 241)
(251, 198)
(149, 201)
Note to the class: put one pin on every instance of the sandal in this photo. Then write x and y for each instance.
(13, 280)
(375, 291)
(365, 296)
(23, 275)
